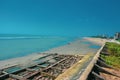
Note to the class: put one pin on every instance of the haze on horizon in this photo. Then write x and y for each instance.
(60, 17)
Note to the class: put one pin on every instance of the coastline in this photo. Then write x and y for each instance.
(75, 47)
(98, 41)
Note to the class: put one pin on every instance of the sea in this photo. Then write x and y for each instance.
(14, 45)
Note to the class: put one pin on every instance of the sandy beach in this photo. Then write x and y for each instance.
(98, 41)
(75, 47)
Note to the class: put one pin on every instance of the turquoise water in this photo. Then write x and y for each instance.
(12, 47)
(92, 45)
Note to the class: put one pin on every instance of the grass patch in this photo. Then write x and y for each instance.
(114, 58)
(113, 49)
(119, 40)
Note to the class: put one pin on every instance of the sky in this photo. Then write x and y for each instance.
(60, 17)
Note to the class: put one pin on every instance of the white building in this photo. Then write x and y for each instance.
(117, 36)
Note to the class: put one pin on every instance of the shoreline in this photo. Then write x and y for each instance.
(75, 47)
(98, 41)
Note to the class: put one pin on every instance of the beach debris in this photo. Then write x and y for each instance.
(47, 67)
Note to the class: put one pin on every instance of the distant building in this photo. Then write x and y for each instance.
(117, 36)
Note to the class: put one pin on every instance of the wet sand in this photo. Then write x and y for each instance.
(75, 47)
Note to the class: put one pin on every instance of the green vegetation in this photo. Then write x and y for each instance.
(113, 49)
(119, 40)
(113, 58)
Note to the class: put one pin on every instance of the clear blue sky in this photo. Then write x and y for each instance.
(60, 17)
